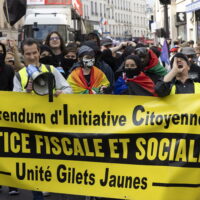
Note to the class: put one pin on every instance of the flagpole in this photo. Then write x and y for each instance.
(9, 27)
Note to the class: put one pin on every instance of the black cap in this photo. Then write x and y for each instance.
(106, 42)
(179, 55)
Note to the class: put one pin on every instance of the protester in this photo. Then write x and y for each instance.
(156, 50)
(107, 55)
(10, 60)
(6, 71)
(197, 51)
(176, 43)
(6, 84)
(99, 62)
(69, 59)
(46, 56)
(129, 50)
(191, 43)
(94, 37)
(31, 52)
(194, 72)
(13, 50)
(177, 81)
(173, 51)
(22, 82)
(57, 45)
(134, 81)
(87, 79)
(106, 44)
(150, 63)
(115, 55)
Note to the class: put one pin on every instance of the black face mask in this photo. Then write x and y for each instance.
(2, 59)
(130, 72)
(67, 63)
(47, 60)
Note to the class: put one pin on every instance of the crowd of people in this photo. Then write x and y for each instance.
(96, 66)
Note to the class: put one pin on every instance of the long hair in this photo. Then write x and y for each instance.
(62, 43)
(4, 51)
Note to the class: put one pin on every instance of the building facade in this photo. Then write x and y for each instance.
(6, 31)
(120, 19)
(184, 19)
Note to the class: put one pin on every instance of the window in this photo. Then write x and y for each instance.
(101, 9)
(96, 12)
(92, 8)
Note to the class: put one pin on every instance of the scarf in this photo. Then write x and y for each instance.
(144, 81)
(153, 60)
(79, 84)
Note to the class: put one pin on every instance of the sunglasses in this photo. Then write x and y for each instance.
(54, 38)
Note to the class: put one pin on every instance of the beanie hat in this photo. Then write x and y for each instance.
(85, 50)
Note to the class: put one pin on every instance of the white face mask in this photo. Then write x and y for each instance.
(88, 62)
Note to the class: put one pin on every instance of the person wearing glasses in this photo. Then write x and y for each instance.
(57, 45)
(134, 81)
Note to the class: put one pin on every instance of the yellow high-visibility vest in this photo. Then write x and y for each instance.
(23, 75)
(196, 89)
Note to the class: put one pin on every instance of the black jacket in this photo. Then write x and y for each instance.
(194, 72)
(6, 78)
(164, 89)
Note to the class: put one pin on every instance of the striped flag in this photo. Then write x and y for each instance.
(103, 21)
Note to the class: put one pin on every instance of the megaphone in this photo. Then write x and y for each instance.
(43, 82)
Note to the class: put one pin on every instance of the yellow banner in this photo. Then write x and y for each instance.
(125, 147)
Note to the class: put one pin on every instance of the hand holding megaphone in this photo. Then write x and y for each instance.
(42, 83)
(32, 72)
